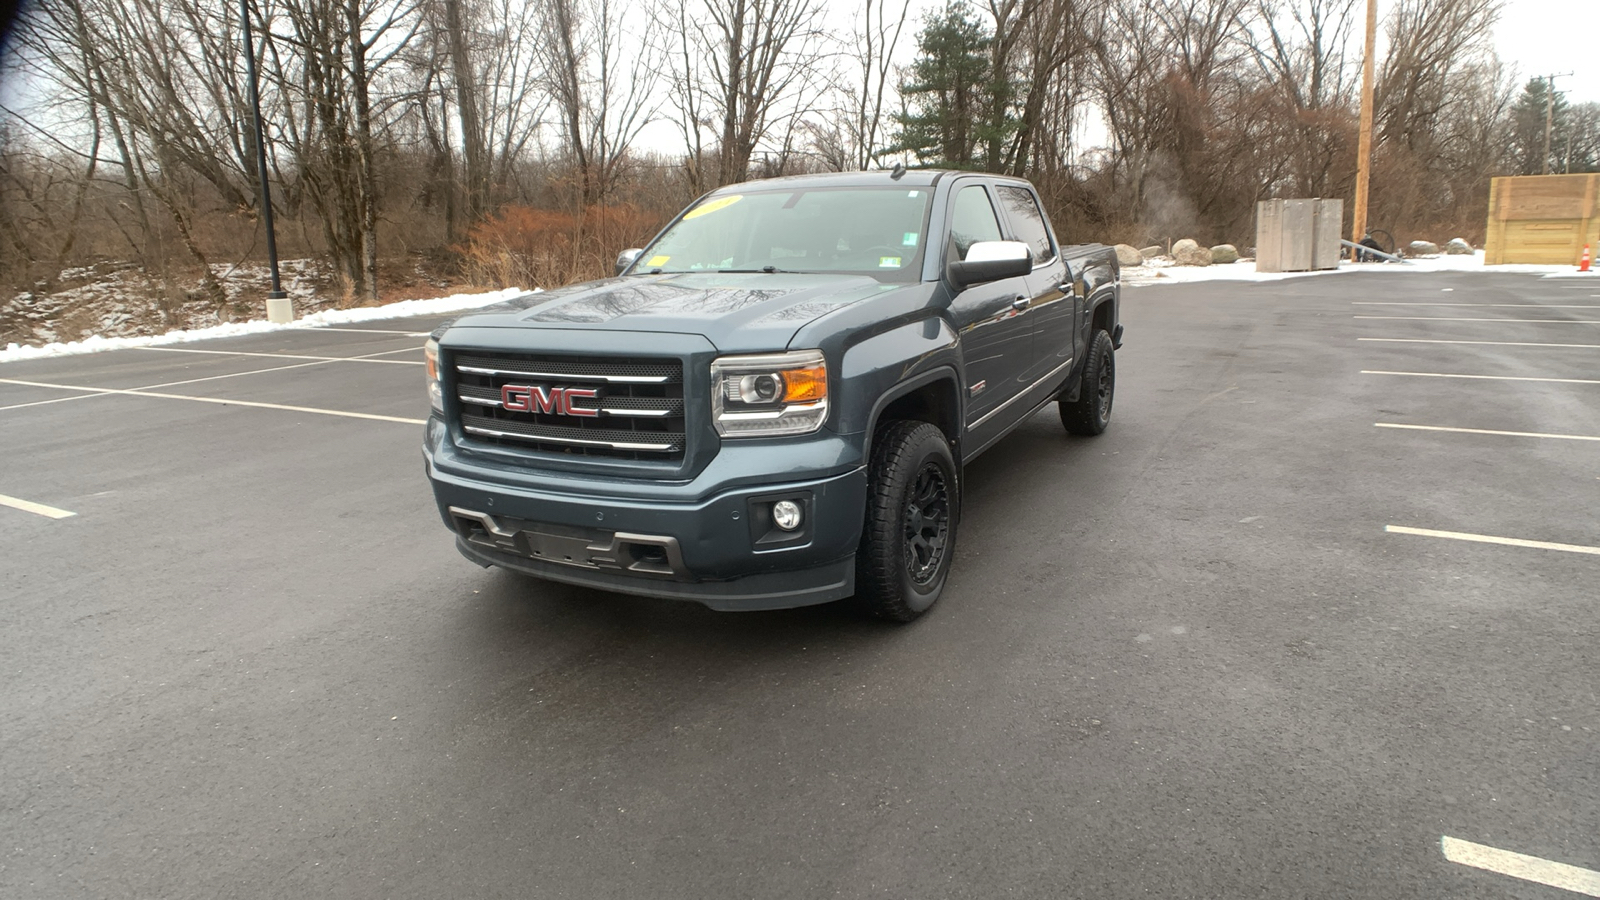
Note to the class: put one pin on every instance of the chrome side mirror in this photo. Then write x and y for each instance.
(991, 261)
(626, 258)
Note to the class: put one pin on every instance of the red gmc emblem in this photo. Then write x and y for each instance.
(539, 399)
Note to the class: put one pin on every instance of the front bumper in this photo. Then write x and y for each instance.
(721, 550)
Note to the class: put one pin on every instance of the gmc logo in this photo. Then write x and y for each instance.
(553, 400)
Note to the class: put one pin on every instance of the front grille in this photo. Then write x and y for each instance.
(640, 403)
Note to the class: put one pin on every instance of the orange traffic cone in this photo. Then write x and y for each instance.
(1583, 262)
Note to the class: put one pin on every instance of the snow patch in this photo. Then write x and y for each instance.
(405, 308)
(1164, 272)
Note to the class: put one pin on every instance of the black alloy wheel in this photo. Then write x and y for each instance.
(927, 520)
(1103, 385)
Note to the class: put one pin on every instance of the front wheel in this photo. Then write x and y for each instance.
(913, 504)
(1090, 414)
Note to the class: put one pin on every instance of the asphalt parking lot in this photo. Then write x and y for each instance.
(1319, 607)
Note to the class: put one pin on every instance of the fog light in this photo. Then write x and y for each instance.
(786, 514)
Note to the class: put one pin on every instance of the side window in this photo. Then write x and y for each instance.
(973, 221)
(1025, 216)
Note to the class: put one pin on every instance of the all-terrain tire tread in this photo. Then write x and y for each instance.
(1082, 416)
(879, 562)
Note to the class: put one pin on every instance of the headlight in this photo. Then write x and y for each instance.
(770, 394)
(430, 352)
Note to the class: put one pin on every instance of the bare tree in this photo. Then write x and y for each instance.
(740, 70)
(1425, 82)
(875, 41)
(1302, 52)
(601, 86)
(325, 66)
(1055, 38)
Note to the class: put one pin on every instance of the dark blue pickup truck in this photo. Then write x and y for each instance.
(771, 404)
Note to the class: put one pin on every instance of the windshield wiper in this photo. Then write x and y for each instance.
(768, 270)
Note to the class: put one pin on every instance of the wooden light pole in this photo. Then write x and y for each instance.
(1549, 116)
(1358, 225)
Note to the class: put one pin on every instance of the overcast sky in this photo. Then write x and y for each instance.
(1544, 37)
(1536, 37)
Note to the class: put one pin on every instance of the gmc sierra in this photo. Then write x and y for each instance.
(771, 404)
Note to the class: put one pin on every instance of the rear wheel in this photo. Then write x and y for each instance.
(913, 505)
(1090, 414)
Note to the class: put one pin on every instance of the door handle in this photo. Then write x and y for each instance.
(1021, 303)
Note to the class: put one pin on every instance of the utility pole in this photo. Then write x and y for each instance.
(1549, 116)
(279, 307)
(1358, 227)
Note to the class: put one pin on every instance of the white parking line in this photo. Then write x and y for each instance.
(1527, 434)
(1484, 343)
(1491, 539)
(1456, 319)
(1484, 377)
(38, 509)
(320, 361)
(1481, 305)
(1520, 865)
(370, 331)
(366, 358)
(219, 401)
(48, 402)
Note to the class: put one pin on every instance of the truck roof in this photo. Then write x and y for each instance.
(876, 177)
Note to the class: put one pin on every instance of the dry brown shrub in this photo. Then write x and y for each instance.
(521, 246)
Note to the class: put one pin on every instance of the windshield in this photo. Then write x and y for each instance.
(871, 231)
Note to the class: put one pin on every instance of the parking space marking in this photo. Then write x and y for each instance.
(38, 509)
(1454, 319)
(367, 331)
(1527, 434)
(48, 402)
(1479, 305)
(1483, 343)
(367, 358)
(101, 392)
(220, 401)
(1484, 377)
(1520, 865)
(320, 361)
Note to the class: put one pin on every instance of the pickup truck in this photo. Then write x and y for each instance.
(770, 405)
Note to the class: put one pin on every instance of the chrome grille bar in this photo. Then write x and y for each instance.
(564, 376)
(579, 442)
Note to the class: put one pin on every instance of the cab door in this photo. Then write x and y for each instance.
(1056, 299)
(993, 319)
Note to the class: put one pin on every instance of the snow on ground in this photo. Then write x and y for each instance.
(1160, 271)
(96, 344)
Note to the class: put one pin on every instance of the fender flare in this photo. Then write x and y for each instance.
(940, 373)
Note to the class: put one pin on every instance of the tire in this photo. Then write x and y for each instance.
(1090, 414)
(913, 507)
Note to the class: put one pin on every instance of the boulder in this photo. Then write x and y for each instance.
(1222, 254)
(1189, 253)
(1150, 252)
(1129, 255)
(1458, 247)
(1423, 248)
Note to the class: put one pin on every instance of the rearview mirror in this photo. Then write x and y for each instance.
(991, 261)
(626, 258)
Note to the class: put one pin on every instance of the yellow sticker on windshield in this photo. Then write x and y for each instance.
(713, 206)
(658, 260)
(888, 262)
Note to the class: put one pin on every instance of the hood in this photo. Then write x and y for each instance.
(737, 312)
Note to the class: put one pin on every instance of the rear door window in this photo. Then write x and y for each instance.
(1028, 222)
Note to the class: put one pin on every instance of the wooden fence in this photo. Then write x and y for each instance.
(1542, 219)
